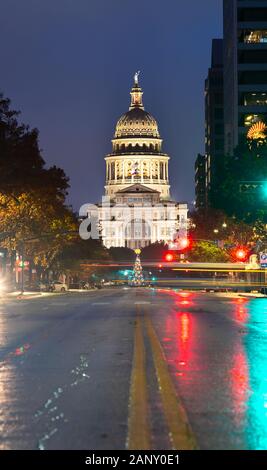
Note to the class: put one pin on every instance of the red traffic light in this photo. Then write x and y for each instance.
(241, 254)
(169, 257)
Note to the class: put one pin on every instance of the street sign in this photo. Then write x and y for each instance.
(263, 260)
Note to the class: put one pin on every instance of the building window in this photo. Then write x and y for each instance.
(252, 37)
(256, 77)
(218, 113)
(252, 56)
(219, 129)
(255, 99)
(251, 14)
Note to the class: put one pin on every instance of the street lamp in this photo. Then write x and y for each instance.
(224, 225)
(216, 230)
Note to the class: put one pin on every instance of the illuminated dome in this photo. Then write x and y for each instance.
(137, 122)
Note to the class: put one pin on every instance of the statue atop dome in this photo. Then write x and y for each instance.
(136, 77)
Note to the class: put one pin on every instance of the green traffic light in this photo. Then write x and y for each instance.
(264, 189)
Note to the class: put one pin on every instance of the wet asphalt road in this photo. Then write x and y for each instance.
(82, 371)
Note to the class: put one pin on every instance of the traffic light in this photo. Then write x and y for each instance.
(169, 257)
(264, 189)
(241, 253)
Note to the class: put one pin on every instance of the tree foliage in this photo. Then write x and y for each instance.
(122, 254)
(208, 252)
(212, 224)
(154, 251)
(22, 167)
(248, 164)
(34, 216)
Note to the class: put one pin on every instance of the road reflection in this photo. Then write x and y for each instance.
(221, 366)
(13, 428)
(255, 347)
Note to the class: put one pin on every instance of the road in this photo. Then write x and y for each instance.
(133, 368)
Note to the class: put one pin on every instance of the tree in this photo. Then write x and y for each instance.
(138, 278)
(121, 254)
(154, 251)
(248, 164)
(208, 252)
(22, 167)
(80, 252)
(33, 214)
(212, 224)
(36, 226)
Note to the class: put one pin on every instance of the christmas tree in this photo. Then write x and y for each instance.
(138, 279)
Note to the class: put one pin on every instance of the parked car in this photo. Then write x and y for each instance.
(80, 285)
(57, 286)
(41, 286)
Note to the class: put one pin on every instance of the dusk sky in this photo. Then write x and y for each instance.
(68, 65)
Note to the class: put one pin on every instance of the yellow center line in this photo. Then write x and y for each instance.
(181, 435)
(138, 424)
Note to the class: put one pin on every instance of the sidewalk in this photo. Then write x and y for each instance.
(236, 295)
(33, 295)
(25, 295)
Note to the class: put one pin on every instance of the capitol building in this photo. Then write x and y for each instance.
(137, 208)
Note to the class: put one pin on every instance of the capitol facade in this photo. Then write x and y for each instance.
(137, 208)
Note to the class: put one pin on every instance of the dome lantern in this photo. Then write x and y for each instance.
(137, 122)
(136, 94)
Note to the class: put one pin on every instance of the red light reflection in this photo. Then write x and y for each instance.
(185, 294)
(184, 320)
(240, 311)
(239, 383)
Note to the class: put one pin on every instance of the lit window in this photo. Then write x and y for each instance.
(255, 36)
(255, 99)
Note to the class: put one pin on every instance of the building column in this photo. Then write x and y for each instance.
(116, 170)
(142, 172)
(123, 171)
(151, 171)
